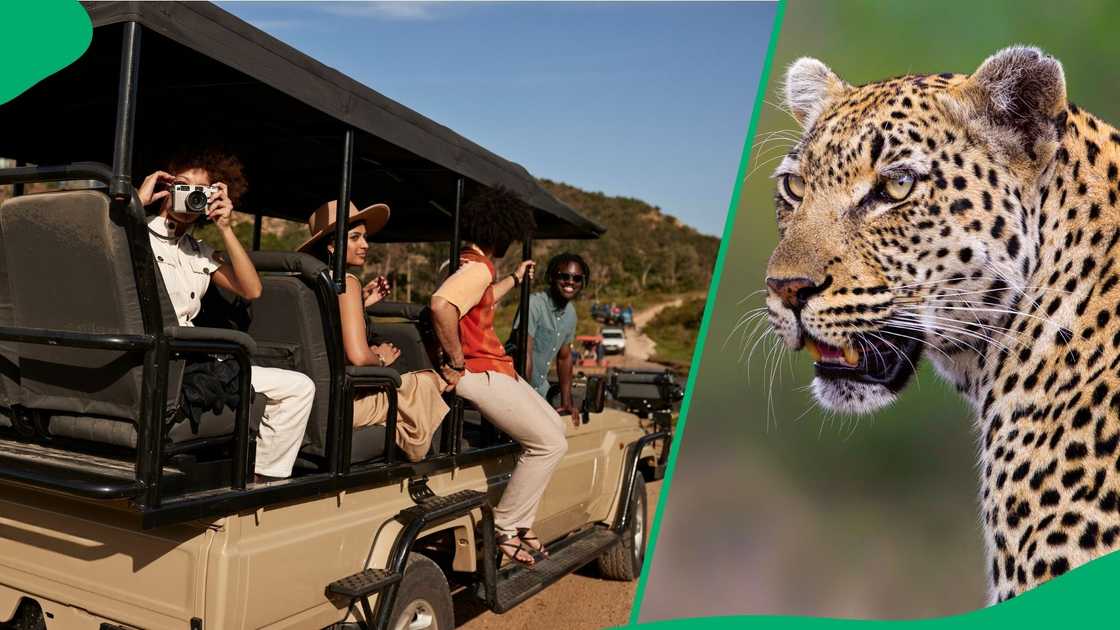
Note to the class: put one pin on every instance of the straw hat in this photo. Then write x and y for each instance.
(322, 221)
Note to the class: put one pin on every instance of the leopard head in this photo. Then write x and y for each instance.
(903, 215)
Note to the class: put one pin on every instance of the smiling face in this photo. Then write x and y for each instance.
(899, 215)
(568, 280)
(356, 246)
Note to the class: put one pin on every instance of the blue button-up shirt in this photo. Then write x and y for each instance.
(551, 329)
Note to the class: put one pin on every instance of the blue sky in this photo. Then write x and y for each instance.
(646, 100)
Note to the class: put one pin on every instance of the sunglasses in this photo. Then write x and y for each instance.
(570, 277)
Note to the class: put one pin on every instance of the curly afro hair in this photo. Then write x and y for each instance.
(222, 166)
(494, 218)
(561, 260)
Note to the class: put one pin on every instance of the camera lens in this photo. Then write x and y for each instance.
(196, 201)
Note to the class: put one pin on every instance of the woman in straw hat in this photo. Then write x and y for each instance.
(420, 407)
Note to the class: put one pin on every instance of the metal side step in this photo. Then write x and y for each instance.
(363, 584)
(438, 508)
(516, 582)
(427, 511)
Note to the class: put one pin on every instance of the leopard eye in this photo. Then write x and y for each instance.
(899, 185)
(794, 186)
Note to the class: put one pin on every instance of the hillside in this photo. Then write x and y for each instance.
(644, 250)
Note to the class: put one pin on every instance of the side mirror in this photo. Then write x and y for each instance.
(595, 397)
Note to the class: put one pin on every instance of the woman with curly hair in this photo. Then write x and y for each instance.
(477, 366)
(188, 265)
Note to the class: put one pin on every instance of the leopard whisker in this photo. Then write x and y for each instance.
(955, 341)
(923, 330)
(987, 310)
(750, 295)
(957, 326)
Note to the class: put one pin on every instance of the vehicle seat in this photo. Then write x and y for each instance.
(9, 352)
(401, 323)
(288, 326)
(69, 267)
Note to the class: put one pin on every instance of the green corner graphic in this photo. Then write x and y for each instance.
(38, 39)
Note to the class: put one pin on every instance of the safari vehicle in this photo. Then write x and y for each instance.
(111, 515)
(614, 340)
(588, 346)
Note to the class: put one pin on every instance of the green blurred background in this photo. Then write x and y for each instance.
(809, 514)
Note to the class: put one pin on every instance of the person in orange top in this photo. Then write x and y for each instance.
(477, 366)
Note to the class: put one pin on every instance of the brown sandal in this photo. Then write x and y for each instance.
(511, 546)
(532, 542)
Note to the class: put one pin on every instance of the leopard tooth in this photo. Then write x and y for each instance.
(851, 356)
(814, 351)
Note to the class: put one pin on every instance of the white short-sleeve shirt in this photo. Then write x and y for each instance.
(186, 264)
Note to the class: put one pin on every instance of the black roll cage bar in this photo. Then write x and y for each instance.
(159, 345)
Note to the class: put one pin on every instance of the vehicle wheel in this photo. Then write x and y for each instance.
(624, 561)
(423, 598)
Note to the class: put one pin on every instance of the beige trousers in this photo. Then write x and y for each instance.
(288, 397)
(520, 412)
(420, 409)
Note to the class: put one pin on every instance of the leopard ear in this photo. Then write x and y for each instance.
(1022, 89)
(809, 85)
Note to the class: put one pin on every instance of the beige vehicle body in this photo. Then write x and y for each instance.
(88, 564)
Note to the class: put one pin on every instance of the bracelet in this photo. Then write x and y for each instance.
(516, 281)
(461, 368)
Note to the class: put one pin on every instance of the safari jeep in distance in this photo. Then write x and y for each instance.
(112, 515)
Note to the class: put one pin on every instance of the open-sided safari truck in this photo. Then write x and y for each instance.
(112, 514)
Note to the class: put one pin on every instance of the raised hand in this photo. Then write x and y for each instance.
(375, 291)
(155, 187)
(220, 206)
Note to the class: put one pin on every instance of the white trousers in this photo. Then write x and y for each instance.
(520, 412)
(288, 397)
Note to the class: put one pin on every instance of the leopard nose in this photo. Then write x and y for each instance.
(794, 292)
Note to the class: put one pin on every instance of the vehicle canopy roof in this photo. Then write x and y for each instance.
(208, 77)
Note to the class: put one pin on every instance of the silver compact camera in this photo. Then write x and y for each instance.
(191, 198)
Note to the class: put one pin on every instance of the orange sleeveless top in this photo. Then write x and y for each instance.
(481, 347)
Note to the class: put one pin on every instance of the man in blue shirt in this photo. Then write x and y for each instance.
(552, 327)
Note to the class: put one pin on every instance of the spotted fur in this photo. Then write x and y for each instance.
(1003, 261)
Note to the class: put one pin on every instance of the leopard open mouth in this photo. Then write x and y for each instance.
(888, 358)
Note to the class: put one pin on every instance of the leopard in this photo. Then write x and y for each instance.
(971, 221)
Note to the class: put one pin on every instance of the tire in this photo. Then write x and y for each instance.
(624, 560)
(423, 598)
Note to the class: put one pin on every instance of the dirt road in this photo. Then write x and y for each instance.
(581, 601)
(639, 347)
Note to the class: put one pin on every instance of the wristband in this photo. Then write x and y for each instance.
(516, 281)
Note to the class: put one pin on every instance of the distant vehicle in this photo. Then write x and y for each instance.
(626, 318)
(587, 346)
(614, 340)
